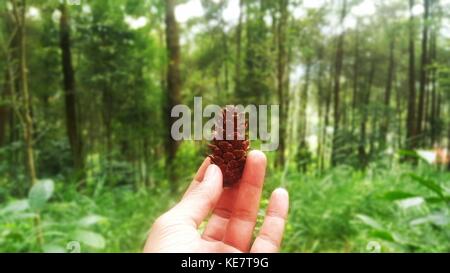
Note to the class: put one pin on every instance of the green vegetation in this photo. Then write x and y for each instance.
(86, 88)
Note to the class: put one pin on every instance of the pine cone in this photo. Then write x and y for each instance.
(229, 152)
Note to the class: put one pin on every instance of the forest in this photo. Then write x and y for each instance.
(87, 162)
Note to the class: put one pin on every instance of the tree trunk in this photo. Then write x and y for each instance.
(355, 79)
(70, 91)
(337, 86)
(363, 158)
(282, 77)
(4, 109)
(238, 61)
(387, 94)
(433, 77)
(320, 98)
(27, 122)
(411, 118)
(326, 122)
(303, 105)
(173, 85)
(423, 74)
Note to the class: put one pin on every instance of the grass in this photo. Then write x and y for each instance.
(344, 210)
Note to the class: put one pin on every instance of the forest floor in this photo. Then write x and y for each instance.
(389, 209)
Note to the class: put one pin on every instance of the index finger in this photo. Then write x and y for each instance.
(243, 218)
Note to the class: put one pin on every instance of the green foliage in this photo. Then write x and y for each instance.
(115, 221)
(40, 193)
(348, 211)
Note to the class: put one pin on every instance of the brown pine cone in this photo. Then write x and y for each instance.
(229, 153)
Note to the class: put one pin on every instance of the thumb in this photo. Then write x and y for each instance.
(201, 197)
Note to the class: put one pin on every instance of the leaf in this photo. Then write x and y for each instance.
(40, 193)
(411, 202)
(382, 234)
(22, 216)
(397, 195)
(52, 248)
(438, 219)
(407, 153)
(16, 206)
(369, 221)
(90, 238)
(430, 184)
(91, 220)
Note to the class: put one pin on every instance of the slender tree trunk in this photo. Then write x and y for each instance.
(238, 61)
(4, 109)
(387, 94)
(70, 90)
(411, 119)
(363, 157)
(355, 79)
(320, 97)
(337, 87)
(423, 74)
(326, 122)
(173, 85)
(19, 14)
(399, 112)
(282, 77)
(26, 98)
(433, 77)
(225, 60)
(448, 147)
(303, 105)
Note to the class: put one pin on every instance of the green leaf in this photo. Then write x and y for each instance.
(407, 153)
(90, 238)
(397, 195)
(369, 221)
(430, 184)
(91, 220)
(40, 193)
(410, 202)
(16, 206)
(52, 248)
(438, 219)
(22, 216)
(382, 234)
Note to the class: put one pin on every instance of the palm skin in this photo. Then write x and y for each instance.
(233, 219)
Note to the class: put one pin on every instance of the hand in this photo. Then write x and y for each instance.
(234, 212)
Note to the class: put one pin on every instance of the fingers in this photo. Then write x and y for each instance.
(217, 224)
(243, 218)
(269, 238)
(201, 198)
(199, 175)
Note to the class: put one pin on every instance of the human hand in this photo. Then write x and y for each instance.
(233, 219)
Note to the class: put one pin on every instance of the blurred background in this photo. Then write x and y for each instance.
(87, 162)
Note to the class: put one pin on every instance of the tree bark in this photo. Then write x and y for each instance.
(4, 109)
(355, 79)
(363, 157)
(423, 74)
(73, 133)
(282, 77)
(173, 84)
(433, 78)
(326, 122)
(25, 115)
(411, 118)
(387, 94)
(337, 86)
(238, 61)
(304, 104)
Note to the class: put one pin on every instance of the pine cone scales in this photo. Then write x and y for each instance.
(229, 152)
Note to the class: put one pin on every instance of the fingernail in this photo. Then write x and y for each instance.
(210, 173)
(281, 192)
